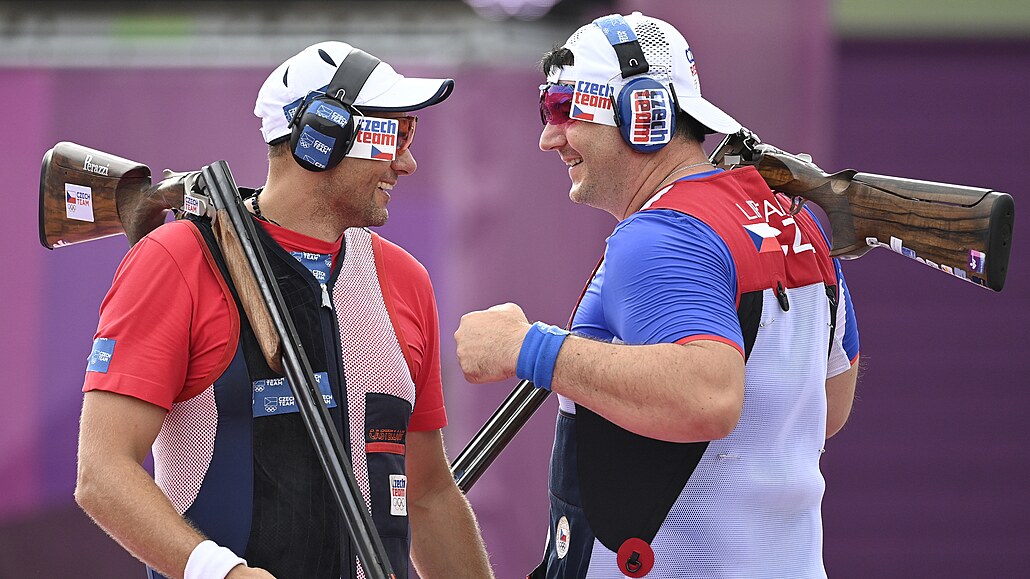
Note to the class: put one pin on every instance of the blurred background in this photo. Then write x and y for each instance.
(930, 477)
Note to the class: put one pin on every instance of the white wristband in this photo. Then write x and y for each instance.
(209, 560)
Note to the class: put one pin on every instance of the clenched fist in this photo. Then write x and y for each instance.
(489, 342)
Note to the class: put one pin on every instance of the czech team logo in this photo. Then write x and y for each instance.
(191, 204)
(314, 147)
(333, 114)
(592, 102)
(271, 404)
(561, 538)
(319, 264)
(376, 139)
(78, 202)
(651, 123)
(398, 495)
(273, 396)
(100, 357)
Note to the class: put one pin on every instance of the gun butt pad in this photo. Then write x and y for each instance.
(999, 240)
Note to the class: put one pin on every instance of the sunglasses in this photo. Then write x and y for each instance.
(405, 132)
(555, 103)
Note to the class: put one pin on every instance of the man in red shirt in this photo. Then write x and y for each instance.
(238, 490)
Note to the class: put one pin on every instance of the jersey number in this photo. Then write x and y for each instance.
(798, 247)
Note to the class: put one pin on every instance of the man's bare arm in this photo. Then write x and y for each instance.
(840, 394)
(115, 435)
(445, 539)
(679, 393)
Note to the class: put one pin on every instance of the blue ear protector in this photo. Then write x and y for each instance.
(324, 128)
(645, 109)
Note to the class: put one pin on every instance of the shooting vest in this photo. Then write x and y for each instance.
(239, 465)
(623, 505)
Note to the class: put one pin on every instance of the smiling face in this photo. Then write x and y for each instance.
(360, 188)
(604, 171)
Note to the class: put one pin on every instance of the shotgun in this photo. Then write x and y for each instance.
(962, 231)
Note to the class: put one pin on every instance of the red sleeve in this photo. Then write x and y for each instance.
(408, 293)
(174, 326)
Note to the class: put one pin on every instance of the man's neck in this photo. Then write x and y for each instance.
(292, 200)
(675, 161)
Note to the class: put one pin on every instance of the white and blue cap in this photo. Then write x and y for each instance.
(668, 56)
(313, 68)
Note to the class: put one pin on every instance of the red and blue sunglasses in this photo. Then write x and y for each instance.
(555, 103)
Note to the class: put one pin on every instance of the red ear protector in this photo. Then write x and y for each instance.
(324, 128)
(645, 109)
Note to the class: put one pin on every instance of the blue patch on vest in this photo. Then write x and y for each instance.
(274, 395)
(319, 264)
(100, 357)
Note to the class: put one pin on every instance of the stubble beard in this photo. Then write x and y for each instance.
(341, 203)
(584, 193)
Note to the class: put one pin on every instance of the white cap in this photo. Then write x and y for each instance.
(313, 68)
(668, 55)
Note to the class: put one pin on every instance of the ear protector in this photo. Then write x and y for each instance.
(324, 128)
(645, 109)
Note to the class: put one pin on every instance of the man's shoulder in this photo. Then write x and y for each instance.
(176, 248)
(180, 238)
(652, 225)
(397, 259)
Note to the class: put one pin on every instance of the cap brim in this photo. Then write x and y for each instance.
(409, 94)
(709, 115)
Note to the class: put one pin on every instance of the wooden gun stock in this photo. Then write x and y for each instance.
(86, 194)
(964, 231)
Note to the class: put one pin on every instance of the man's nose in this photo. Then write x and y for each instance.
(404, 164)
(552, 137)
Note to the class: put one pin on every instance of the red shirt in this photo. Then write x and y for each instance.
(176, 327)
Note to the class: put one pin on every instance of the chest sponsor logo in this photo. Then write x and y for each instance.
(319, 264)
(274, 396)
(651, 110)
(78, 202)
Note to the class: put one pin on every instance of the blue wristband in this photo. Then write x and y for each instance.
(539, 353)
